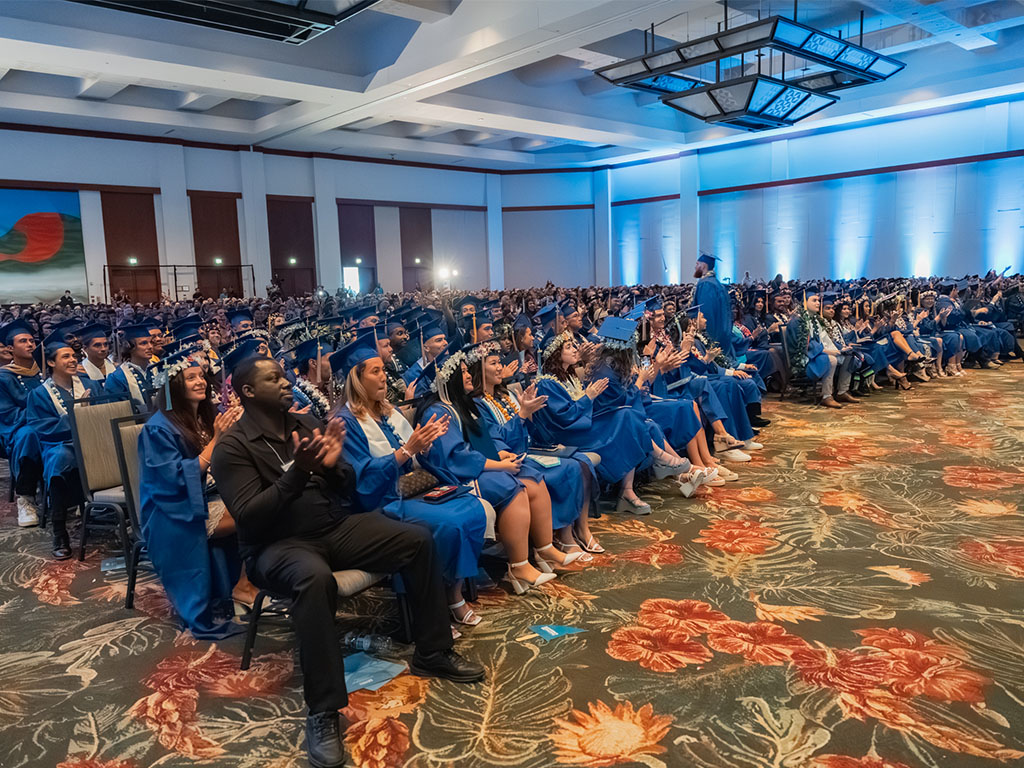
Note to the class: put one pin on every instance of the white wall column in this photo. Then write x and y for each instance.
(387, 234)
(495, 235)
(90, 206)
(174, 220)
(689, 216)
(602, 226)
(254, 219)
(325, 219)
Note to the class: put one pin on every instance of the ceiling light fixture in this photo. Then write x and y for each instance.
(752, 99)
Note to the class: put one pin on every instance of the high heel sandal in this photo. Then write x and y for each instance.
(469, 619)
(519, 586)
(550, 566)
(584, 556)
(663, 469)
(590, 546)
(636, 506)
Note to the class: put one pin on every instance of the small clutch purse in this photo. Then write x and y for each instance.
(416, 482)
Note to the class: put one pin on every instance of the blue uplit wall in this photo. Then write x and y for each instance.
(645, 243)
(947, 220)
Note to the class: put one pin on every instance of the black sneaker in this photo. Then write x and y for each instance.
(323, 740)
(447, 664)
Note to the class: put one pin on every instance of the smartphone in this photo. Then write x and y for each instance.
(440, 493)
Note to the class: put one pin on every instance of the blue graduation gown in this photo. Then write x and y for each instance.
(19, 440)
(117, 386)
(620, 436)
(455, 462)
(197, 573)
(734, 394)
(564, 481)
(713, 299)
(54, 430)
(457, 524)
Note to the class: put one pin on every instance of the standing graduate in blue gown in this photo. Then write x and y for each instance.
(713, 299)
(466, 454)
(46, 413)
(19, 441)
(570, 478)
(382, 447)
(189, 534)
(131, 380)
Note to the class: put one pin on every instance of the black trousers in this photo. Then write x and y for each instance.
(302, 568)
(26, 476)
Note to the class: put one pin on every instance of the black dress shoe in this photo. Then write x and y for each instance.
(61, 544)
(757, 421)
(323, 740)
(447, 664)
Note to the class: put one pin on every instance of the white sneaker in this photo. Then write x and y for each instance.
(750, 445)
(734, 454)
(28, 515)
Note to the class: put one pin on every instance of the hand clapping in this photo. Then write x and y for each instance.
(531, 402)
(426, 433)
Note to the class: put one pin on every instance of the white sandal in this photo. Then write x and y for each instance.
(469, 619)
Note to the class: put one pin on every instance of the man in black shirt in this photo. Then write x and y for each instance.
(289, 490)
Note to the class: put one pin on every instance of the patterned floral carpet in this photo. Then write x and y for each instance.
(855, 601)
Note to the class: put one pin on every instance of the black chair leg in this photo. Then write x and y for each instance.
(45, 511)
(250, 635)
(404, 618)
(85, 525)
(132, 564)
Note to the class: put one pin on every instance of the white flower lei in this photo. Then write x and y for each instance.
(555, 344)
(483, 350)
(162, 375)
(446, 371)
(572, 385)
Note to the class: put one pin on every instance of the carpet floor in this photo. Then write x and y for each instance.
(855, 601)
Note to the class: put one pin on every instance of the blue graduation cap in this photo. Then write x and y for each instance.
(692, 312)
(803, 294)
(546, 315)
(522, 321)
(136, 331)
(567, 308)
(241, 352)
(617, 332)
(360, 350)
(92, 331)
(961, 286)
(67, 328)
(829, 298)
(650, 305)
(468, 300)
(15, 328)
(707, 258)
(189, 321)
(183, 343)
(53, 343)
(236, 316)
(311, 349)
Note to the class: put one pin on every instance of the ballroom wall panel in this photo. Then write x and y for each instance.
(548, 245)
(953, 220)
(460, 242)
(645, 241)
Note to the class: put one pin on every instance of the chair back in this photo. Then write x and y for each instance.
(94, 442)
(126, 431)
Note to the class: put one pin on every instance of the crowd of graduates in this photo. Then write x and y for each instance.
(504, 420)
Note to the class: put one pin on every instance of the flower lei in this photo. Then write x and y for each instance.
(485, 349)
(555, 344)
(162, 375)
(508, 412)
(803, 339)
(630, 343)
(720, 360)
(319, 405)
(571, 385)
(446, 371)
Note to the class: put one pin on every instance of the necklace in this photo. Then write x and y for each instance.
(507, 413)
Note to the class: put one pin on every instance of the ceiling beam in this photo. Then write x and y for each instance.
(348, 142)
(932, 21)
(99, 90)
(423, 11)
(200, 102)
(516, 119)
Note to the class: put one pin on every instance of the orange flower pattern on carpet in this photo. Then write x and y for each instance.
(377, 742)
(739, 536)
(604, 737)
(760, 642)
(980, 478)
(1005, 554)
(660, 650)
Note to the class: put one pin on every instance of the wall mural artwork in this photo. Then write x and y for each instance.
(41, 250)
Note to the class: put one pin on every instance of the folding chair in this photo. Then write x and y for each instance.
(97, 462)
(350, 583)
(126, 432)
